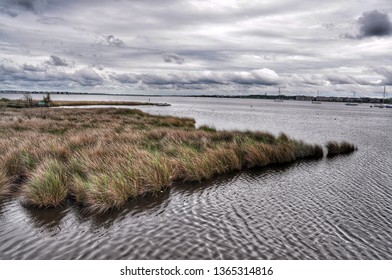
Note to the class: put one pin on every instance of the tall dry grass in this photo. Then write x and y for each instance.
(100, 158)
(5, 183)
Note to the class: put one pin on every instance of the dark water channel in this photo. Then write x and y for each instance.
(334, 208)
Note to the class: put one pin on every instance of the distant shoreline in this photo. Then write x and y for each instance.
(15, 103)
(59, 103)
(372, 100)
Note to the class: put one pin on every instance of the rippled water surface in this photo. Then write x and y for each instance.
(334, 208)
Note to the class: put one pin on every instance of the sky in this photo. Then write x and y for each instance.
(197, 47)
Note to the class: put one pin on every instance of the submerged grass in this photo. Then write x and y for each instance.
(334, 148)
(103, 157)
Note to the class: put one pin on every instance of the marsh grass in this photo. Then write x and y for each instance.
(5, 183)
(335, 148)
(48, 185)
(103, 157)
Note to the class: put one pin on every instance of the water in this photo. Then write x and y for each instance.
(334, 208)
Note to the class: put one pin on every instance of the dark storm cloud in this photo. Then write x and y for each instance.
(113, 41)
(341, 79)
(386, 73)
(34, 68)
(87, 77)
(35, 6)
(26, 4)
(312, 79)
(128, 78)
(31, 73)
(173, 57)
(57, 61)
(374, 23)
(7, 71)
(8, 12)
(39, 6)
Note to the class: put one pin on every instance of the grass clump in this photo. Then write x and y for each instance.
(303, 150)
(48, 185)
(16, 163)
(335, 148)
(126, 153)
(100, 192)
(101, 187)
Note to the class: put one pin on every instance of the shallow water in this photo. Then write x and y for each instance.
(334, 208)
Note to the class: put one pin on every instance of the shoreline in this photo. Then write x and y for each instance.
(296, 97)
(16, 103)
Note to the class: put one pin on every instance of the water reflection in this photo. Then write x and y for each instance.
(48, 220)
(252, 174)
(190, 188)
(141, 206)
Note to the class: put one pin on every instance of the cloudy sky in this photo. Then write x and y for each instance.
(197, 47)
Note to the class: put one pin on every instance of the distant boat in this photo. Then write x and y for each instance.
(352, 103)
(279, 99)
(315, 101)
